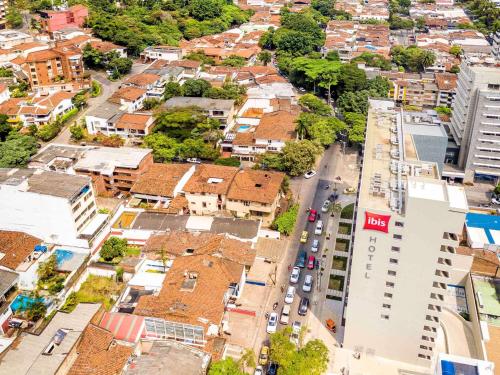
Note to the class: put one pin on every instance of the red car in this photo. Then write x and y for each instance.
(312, 216)
(310, 262)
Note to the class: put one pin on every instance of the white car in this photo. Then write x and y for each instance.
(285, 314)
(295, 335)
(272, 323)
(315, 246)
(258, 370)
(310, 174)
(308, 282)
(319, 228)
(294, 277)
(326, 206)
(193, 160)
(290, 294)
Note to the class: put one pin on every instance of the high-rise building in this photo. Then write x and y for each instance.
(3, 13)
(475, 122)
(406, 231)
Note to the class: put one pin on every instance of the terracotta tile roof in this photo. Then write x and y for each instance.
(190, 64)
(41, 55)
(136, 121)
(129, 94)
(3, 87)
(196, 300)
(279, 125)
(244, 139)
(104, 47)
(99, 354)
(16, 246)
(259, 70)
(176, 244)
(11, 106)
(52, 101)
(446, 81)
(177, 205)
(272, 78)
(256, 186)
(142, 79)
(203, 181)
(27, 46)
(160, 179)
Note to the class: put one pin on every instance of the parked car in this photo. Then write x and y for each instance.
(193, 160)
(272, 323)
(308, 282)
(290, 295)
(310, 262)
(326, 206)
(303, 306)
(349, 190)
(295, 335)
(301, 259)
(272, 369)
(319, 228)
(315, 246)
(312, 216)
(264, 355)
(258, 371)
(304, 236)
(295, 275)
(285, 314)
(310, 174)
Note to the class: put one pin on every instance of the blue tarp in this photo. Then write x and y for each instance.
(41, 248)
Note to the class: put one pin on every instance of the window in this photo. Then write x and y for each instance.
(399, 224)
(393, 261)
(204, 204)
(386, 306)
(395, 249)
(391, 273)
(397, 236)
(246, 203)
(493, 86)
(389, 284)
(387, 295)
(384, 316)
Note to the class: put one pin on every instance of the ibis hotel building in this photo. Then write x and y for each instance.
(407, 226)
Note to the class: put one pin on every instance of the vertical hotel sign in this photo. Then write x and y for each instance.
(378, 223)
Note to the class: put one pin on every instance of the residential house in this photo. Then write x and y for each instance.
(163, 69)
(43, 110)
(191, 68)
(54, 20)
(56, 69)
(114, 170)
(10, 107)
(206, 190)
(107, 47)
(4, 93)
(129, 98)
(161, 53)
(161, 184)
(218, 109)
(8, 284)
(101, 119)
(131, 125)
(20, 52)
(255, 194)
(152, 83)
(57, 157)
(417, 89)
(69, 33)
(10, 38)
(55, 207)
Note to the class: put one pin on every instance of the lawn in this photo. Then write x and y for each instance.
(336, 282)
(347, 212)
(342, 244)
(339, 263)
(96, 289)
(345, 228)
(132, 251)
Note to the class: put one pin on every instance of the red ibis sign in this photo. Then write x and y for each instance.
(376, 222)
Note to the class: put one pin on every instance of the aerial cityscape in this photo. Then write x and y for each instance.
(249, 187)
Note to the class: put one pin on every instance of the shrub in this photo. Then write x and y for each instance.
(347, 212)
(229, 162)
(36, 311)
(76, 132)
(113, 248)
(285, 223)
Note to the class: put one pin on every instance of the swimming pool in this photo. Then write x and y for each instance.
(63, 256)
(243, 128)
(22, 302)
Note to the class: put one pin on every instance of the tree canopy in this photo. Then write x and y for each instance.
(16, 150)
(412, 58)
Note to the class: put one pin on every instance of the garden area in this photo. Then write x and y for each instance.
(342, 244)
(96, 289)
(339, 263)
(347, 212)
(49, 279)
(336, 282)
(115, 249)
(345, 228)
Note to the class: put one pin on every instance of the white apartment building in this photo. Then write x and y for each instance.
(475, 122)
(406, 232)
(54, 207)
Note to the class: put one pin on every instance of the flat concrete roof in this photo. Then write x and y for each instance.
(488, 290)
(203, 103)
(52, 151)
(26, 356)
(105, 159)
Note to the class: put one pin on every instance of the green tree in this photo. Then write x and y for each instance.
(14, 18)
(412, 58)
(93, 58)
(114, 247)
(16, 150)
(47, 270)
(151, 103)
(247, 359)
(325, 130)
(172, 89)
(120, 66)
(265, 57)
(4, 72)
(356, 124)
(226, 366)
(229, 162)
(164, 148)
(379, 85)
(235, 61)
(5, 127)
(354, 102)
(299, 157)
(455, 50)
(200, 56)
(285, 222)
(351, 78)
(271, 160)
(267, 39)
(314, 104)
(205, 9)
(36, 310)
(77, 133)
(196, 87)
(442, 110)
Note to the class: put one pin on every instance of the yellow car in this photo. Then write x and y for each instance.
(304, 236)
(264, 355)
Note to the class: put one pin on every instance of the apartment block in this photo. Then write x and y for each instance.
(52, 206)
(56, 69)
(476, 118)
(407, 228)
(54, 20)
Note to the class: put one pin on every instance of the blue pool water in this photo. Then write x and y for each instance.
(243, 128)
(22, 302)
(63, 256)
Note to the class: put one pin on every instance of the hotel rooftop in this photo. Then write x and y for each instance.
(391, 165)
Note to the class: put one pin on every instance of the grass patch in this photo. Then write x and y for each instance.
(347, 212)
(342, 244)
(96, 289)
(132, 251)
(336, 282)
(339, 263)
(345, 228)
